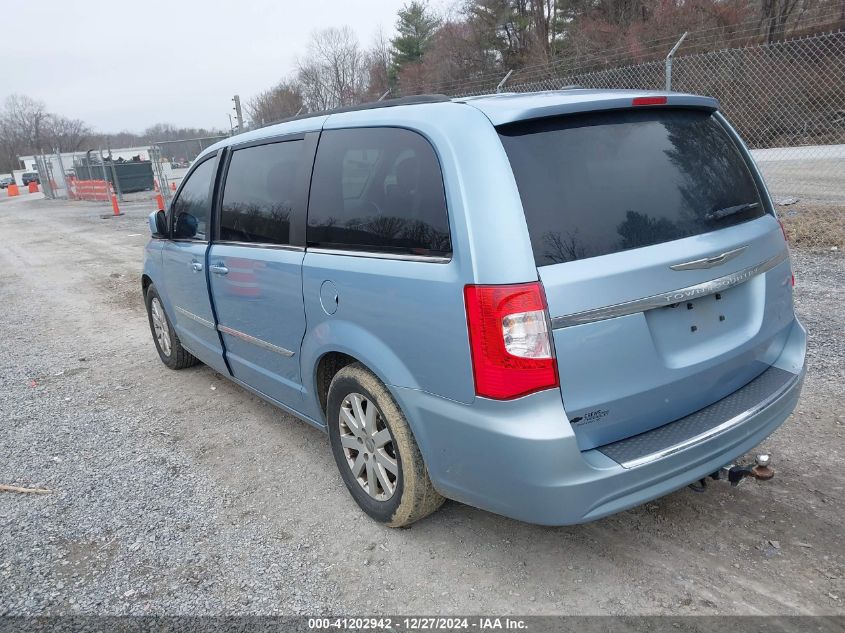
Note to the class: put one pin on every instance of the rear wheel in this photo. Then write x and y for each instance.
(375, 451)
(167, 343)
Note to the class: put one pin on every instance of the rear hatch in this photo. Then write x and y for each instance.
(666, 274)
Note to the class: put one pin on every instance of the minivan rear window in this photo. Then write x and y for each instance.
(604, 182)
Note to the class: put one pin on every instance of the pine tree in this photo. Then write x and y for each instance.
(416, 26)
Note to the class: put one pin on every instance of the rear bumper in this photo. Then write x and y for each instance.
(521, 458)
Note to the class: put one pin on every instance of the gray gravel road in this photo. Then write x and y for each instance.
(180, 493)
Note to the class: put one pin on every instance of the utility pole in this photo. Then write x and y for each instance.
(238, 113)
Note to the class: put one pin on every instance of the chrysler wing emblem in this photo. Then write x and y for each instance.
(710, 262)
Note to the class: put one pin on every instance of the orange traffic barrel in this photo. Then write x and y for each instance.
(12, 190)
(33, 187)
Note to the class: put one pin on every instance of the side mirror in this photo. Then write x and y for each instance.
(158, 224)
(185, 226)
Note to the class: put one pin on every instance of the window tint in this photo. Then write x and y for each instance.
(605, 182)
(378, 189)
(258, 200)
(192, 206)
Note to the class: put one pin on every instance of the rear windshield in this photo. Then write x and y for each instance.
(604, 182)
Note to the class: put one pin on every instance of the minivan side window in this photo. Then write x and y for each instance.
(378, 189)
(190, 210)
(258, 197)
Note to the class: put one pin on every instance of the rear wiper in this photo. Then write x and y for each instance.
(718, 214)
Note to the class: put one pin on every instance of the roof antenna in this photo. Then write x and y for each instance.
(387, 92)
(502, 83)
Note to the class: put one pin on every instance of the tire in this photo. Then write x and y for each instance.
(174, 356)
(412, 496)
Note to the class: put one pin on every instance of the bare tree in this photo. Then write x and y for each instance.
(26, 127)
(23, 123)
(279, 102)
(455, 55)
(66, 135)
(23, 127)
(774, 16)
(315, 90)
(378, 67)
(519, 31)
(335, 72)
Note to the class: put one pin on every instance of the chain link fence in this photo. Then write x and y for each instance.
(786, 99)
(132, 174)
(171, 160)
(51, 175)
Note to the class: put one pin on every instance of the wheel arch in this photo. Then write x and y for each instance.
(328, 365)
(333, 345)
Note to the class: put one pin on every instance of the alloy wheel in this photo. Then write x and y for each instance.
(368, 446)
(162, 332)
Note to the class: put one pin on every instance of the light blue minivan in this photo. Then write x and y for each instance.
(552, 306)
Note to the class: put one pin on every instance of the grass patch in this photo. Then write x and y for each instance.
(813, 226)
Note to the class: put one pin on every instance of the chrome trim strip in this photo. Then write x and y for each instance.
(710, 262)
(716, 430)
(431, 259)
(255, 341)
(194, 317)
(278, 247)
(668, 298)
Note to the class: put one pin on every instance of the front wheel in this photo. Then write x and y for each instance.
(375, 451)
(167, 342)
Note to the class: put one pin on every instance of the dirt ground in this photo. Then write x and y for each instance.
(181, 493)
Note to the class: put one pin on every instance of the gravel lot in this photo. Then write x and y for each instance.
(180, 493)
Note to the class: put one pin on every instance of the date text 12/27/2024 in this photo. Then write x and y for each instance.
(478, 623)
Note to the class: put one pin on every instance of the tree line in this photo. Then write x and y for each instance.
(476, 42)
(27, 127)
(469, 46)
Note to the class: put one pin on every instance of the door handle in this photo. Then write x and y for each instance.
(196, 266)
(218, 269)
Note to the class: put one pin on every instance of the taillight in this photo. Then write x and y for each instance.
(649, 101)
(786, 239)
(509, 340)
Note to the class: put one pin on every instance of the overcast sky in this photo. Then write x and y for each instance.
(131, 63)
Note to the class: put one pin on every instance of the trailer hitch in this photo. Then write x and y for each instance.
(734, 473)
(761, 470)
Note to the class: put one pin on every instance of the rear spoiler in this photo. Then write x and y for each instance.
(504, 110)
